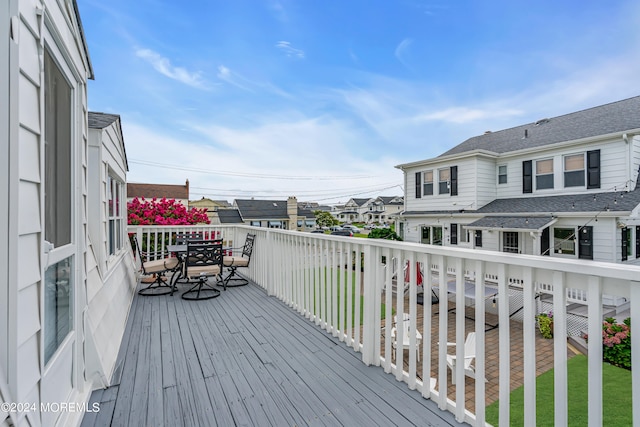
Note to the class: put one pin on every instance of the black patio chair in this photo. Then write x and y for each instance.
(203, 260)
(232, 263)
(182, 237)
(160, 266)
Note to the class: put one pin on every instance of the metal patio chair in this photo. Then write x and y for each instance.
(232, 263)
(203, 260)
(160, 266)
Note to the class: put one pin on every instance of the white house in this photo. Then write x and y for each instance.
(66, 266)
(382, 208)
(563, 186)
(354, 210)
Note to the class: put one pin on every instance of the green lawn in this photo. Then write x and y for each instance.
(616, 395)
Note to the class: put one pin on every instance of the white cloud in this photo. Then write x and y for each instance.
(464, 115)
(289, 50)
(163, 66)
(228, 76)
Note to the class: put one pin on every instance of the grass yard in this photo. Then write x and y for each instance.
(616, 396)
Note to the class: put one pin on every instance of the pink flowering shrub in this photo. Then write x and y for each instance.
(163, 212)
(616, 341)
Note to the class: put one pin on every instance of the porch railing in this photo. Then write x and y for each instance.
(346, 287)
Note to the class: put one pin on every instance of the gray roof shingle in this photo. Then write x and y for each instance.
(267, 209)
(229, 216)
(101, 120)
(512, 222)
(617, 116)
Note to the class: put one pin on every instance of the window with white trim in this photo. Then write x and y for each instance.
(115, 214)
(502, 174)
(544, 174)
(427, 183)
(574, 171)
(443, 181)
(510, 242)
(564, 241)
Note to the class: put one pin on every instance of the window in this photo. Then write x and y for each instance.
(527, 180)
(544, 174)
(478, 238)
(427, 185)
(454, 234)
(502, 174)
(57, 156)
(299, 223)
(626, 244)
(443, 181)
(431, 235)
(256, 224)
(574, 170)
(58, 313)
(418, 182)
(115, 214)
(510, 242)
(426, 235)
(564, 241)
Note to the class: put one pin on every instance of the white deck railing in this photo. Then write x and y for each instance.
(325, 277)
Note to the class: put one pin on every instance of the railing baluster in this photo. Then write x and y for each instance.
(594, 298)
(504, 346)
(560, 349)
(480, 342)
(529, 348)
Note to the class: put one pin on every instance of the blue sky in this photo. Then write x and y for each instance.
(321, 99)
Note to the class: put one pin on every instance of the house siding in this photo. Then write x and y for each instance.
(22, 257)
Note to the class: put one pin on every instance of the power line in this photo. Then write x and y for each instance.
(247, 174)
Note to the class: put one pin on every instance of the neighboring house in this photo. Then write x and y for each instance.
(382, 208)
(283, 214)
(354, 210)
(168, 191)
(66, 266)
(563, 186)
(212, 207)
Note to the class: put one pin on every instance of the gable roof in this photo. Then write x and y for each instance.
(229, 216)
(359, 201)
(610, 118)
(392, 200)
(158, 191)
(267, 209)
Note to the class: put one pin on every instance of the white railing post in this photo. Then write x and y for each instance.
(529, 347)
(368, 329)
(504, 347)
(634, 295)
(594, 298)
(560, 349)
(480, 344)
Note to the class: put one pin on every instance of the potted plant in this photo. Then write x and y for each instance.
(545, 324)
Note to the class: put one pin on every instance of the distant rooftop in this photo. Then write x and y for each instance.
(101, 120)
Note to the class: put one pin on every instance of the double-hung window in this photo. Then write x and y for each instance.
(115, 213)
(427, 185)
(574, 171)
(502, 174)
(544, 174)
(443, 181)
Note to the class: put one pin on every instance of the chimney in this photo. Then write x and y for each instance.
(292, 212)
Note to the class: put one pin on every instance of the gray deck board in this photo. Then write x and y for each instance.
(246, 359)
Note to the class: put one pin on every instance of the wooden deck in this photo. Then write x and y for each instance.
(246, 359)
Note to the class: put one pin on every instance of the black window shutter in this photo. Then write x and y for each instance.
(454, 234)
(585, 242)
(625, 237)
(453, 176)
(593, 169)
(544, 242)
(527, 176)
(418, 185)
(637, 241)
(478, 238)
